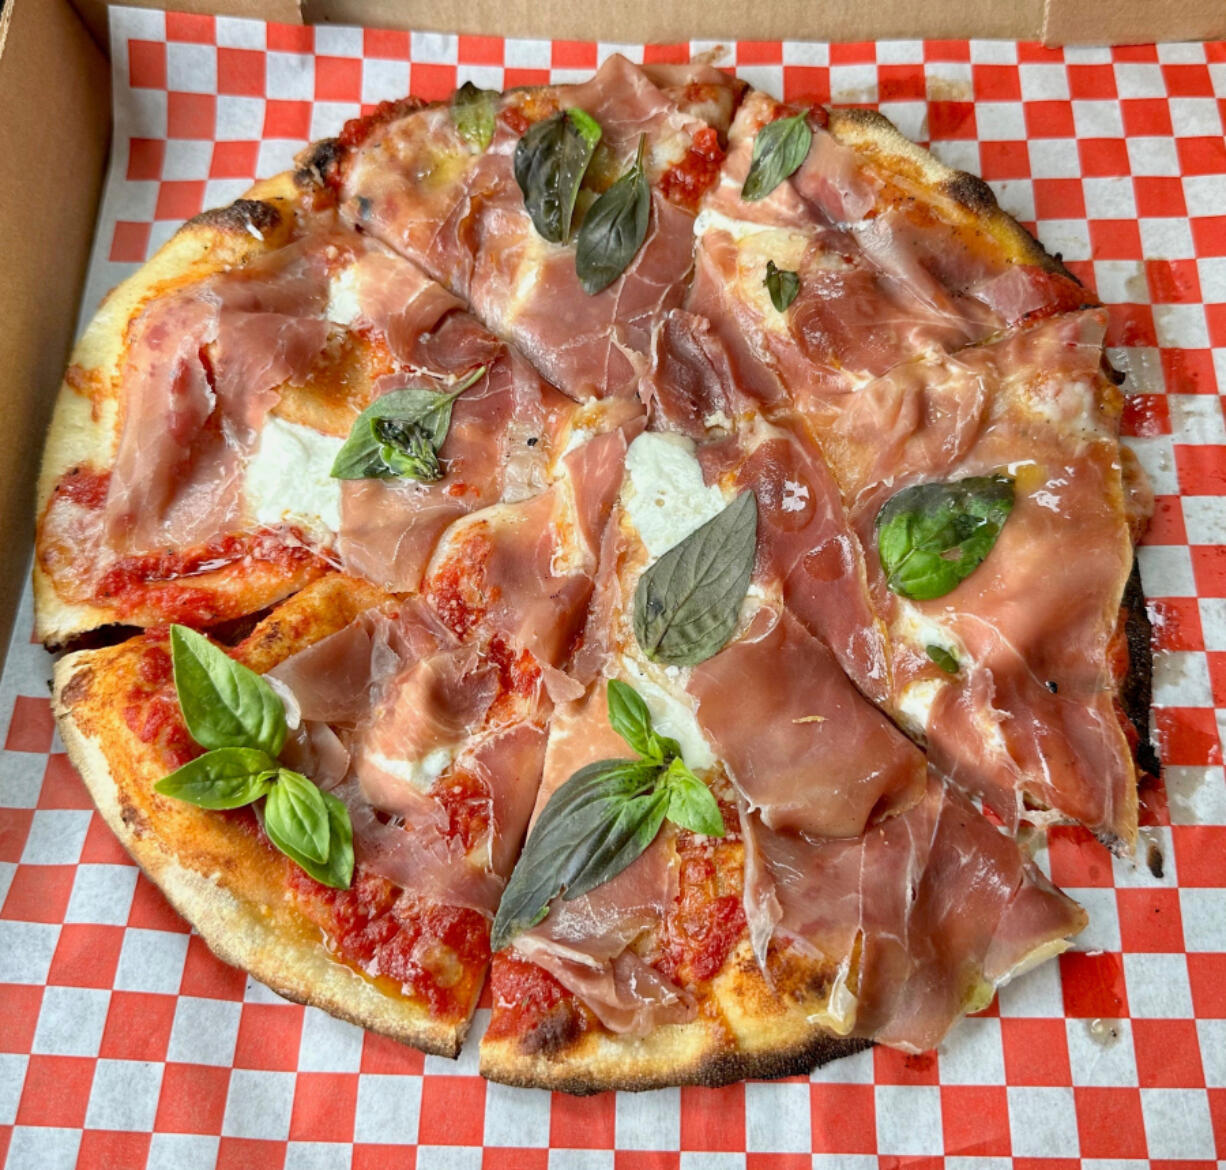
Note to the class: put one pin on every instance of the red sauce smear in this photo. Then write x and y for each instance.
(357, 130)
(151, 707)
(703, 925)
(686, 182)
(457, 590)
(437, 953)
(83, 487)
(525, 997)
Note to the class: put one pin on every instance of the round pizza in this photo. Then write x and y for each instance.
(661, 550)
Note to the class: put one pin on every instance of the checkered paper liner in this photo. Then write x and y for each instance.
(125, 1043)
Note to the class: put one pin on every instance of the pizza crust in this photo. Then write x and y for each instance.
(87, 417)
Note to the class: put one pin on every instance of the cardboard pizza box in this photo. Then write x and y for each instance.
(54, 137)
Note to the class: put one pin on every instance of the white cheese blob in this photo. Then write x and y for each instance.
(665, 496)
(288, 480)
(343, 307)
(671, 716)
(915, 703)
(421, 774)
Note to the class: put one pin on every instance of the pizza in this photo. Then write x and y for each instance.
(657, 549)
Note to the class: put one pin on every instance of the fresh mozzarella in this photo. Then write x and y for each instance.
(665, 495)
(288, 479)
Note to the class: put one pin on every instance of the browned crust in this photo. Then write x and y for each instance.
(959, 194)
(212, 870)
(624, 1070)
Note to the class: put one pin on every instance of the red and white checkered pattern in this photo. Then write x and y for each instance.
(124, 1043)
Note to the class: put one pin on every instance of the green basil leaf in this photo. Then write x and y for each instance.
(932, 536)
(691, 804)
(337, 870)
(782, 286)
(228, 777)
(224, 703)
(406, 450)
(428, 411)
(614, 228)
(592, 827)
(629, 717)
(686, 604)
(295, 815)
(778, 151)
(943, 658)
(550, 161)
(472, 110)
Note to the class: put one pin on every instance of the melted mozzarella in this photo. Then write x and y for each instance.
(665, 495)
(343, 307)
(421, 774)
(288, 480)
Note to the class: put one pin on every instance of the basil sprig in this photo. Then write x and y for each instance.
(472, 110)
(399, 435)
(614, 228)
(231, 710)
(686, 605)
(782, 286)
(550, 161)
(778, 151)
(943, 658)
(603, 817)
(932, 536)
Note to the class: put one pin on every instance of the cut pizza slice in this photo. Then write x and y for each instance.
(832, 248)
(695, 962)
(562, 214)
(197, 467)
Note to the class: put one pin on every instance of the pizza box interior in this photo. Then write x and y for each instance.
(55, 86)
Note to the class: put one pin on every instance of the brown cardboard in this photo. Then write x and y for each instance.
(54, 89)
(55, 92)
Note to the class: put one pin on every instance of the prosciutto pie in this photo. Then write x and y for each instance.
(623, 520)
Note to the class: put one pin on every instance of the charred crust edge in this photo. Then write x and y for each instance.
(241, 217)
(319, 163)
(711, 1072)
(1136, 691)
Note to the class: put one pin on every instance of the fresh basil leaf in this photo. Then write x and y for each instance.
(406, 450)
(550, 161)
(227, 777)
(592, 827)
(629, 717)
(782, 286)
(428, 411)
(614, 228)
(778, 151)
(932, 536)
(224, 703)
(943, 658)
(691, 804)
(295, 815)
(686, 604)
(337, 870)
(472, 110)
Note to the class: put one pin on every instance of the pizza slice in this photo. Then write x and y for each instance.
(810, 907)
(191, 472)
(833, 248)
(562, 214)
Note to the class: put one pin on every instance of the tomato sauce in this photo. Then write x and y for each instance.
(84, 487)
(457, 590)
(357, 130)
(436, 953)
(151, 707)
(531, 1006)
(686, 182)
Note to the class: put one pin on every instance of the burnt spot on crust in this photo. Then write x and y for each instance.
(1136, 692)
(77, 687)
(133, 819)
(243, 216)
(556, 1032)
(971, 192)
(319, 165)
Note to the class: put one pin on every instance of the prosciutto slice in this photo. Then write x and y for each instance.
(1030, 719)
(831, 760)
(586, 943)
(417, 186)
(926, 914)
